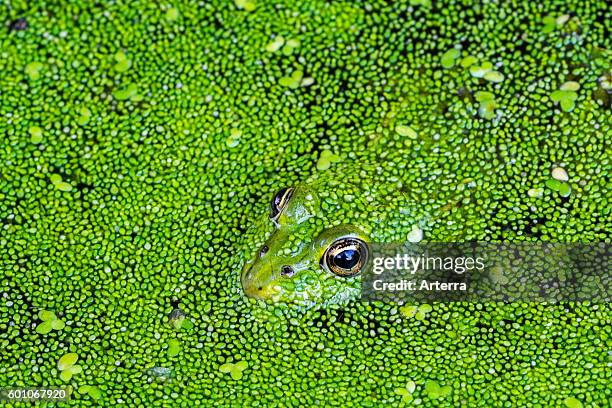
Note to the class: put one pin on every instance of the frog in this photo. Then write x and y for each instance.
(317, 236)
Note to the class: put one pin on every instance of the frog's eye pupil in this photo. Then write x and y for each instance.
(345, 257)
(279, 201)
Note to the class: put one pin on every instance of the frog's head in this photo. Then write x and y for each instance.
(315, 247)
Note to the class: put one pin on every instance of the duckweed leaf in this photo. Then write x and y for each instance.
(55, 178)
(172, 14)
(496, 275)
(415, 235)
(123, 63)
(425, 308)
(570, 86)
(292, 81)
(241, 365)
(128, 92)
(494, 76)
(562, 188)
(65, 375)
(245, 5)
(468, 61)
(553, 184)
(434, 391)
(44, 327)
(562, 19)
(449, 57)
(549, 24)
(326, 159)
(33, 69)
(67, 360)
(408, 310)
(411, 386)
(63, 186)
(565, 190)
(560, 96)
(85, 114)
(567, 105)
(94, 392)
(91, 390)
(406, 131)
(75, 369)
(235, 370)
(174, 347)
(276, 45)
(535, 192)
(307, 81)
(479, 71)
(423, 311)
(46, 315)
(405, 394)
(187, 324)
(57, 324)
(234, 138)
(482, 96)
(290, 46)
(424, 3)
(36, 134)
(559, 173)
(572, 402)
(486, 110)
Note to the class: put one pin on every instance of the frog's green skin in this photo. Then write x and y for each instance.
(357, 202)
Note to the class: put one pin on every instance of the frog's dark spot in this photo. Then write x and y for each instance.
(259, 288)
(287, 271)
(264, 250)
(19, 24)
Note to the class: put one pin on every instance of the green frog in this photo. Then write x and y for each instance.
(316, 239)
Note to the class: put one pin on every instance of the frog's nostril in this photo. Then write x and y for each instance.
(287, 271)
(264, 250)
(260, 288)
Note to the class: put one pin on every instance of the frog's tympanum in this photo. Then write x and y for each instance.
(316, 238)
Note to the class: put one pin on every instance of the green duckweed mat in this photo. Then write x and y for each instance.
(140, 140)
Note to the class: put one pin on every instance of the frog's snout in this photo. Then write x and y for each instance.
(256, 280)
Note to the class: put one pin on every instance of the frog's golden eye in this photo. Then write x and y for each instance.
(279, 202)
(345, 257)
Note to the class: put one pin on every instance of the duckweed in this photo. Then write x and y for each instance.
(93, 391)
(36, 134)
(235, 370)
(571, 402)
(66, 361)
(123, 63)
(407, 131)
(33, 69)
(118, 216)
(449, 58)
(435, 391)
(49, 322)
(174, 348)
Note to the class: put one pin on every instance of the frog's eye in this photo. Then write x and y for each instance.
(345, 257)
(279, 202)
